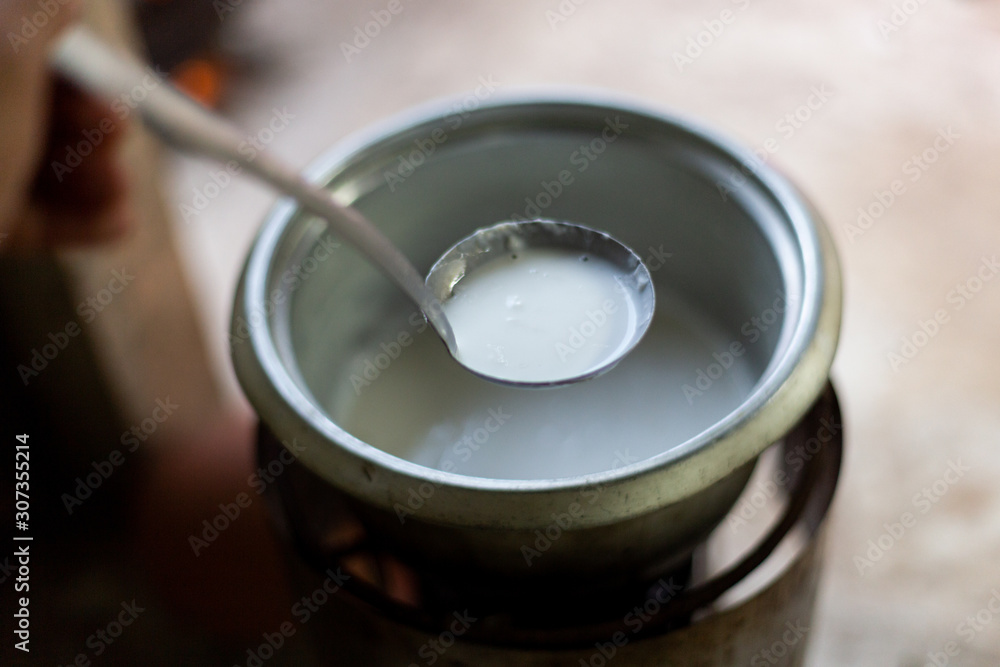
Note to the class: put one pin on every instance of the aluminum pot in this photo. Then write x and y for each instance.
(738, 234)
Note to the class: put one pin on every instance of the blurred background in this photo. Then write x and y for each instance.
(884, 113)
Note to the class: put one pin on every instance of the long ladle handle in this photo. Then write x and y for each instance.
(89, 62)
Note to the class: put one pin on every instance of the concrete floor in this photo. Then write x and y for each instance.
(890, 89)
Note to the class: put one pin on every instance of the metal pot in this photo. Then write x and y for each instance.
(741, 240)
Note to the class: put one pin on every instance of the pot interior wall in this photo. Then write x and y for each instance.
(658, 189)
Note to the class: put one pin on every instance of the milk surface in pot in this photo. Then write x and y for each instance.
(424, 407)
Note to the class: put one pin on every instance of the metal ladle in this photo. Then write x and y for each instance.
(85, 59)
(491, 243)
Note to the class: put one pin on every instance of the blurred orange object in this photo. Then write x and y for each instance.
(202, 78)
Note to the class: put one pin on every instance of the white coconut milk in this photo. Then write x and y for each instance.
(425, 407)
(540, 315)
